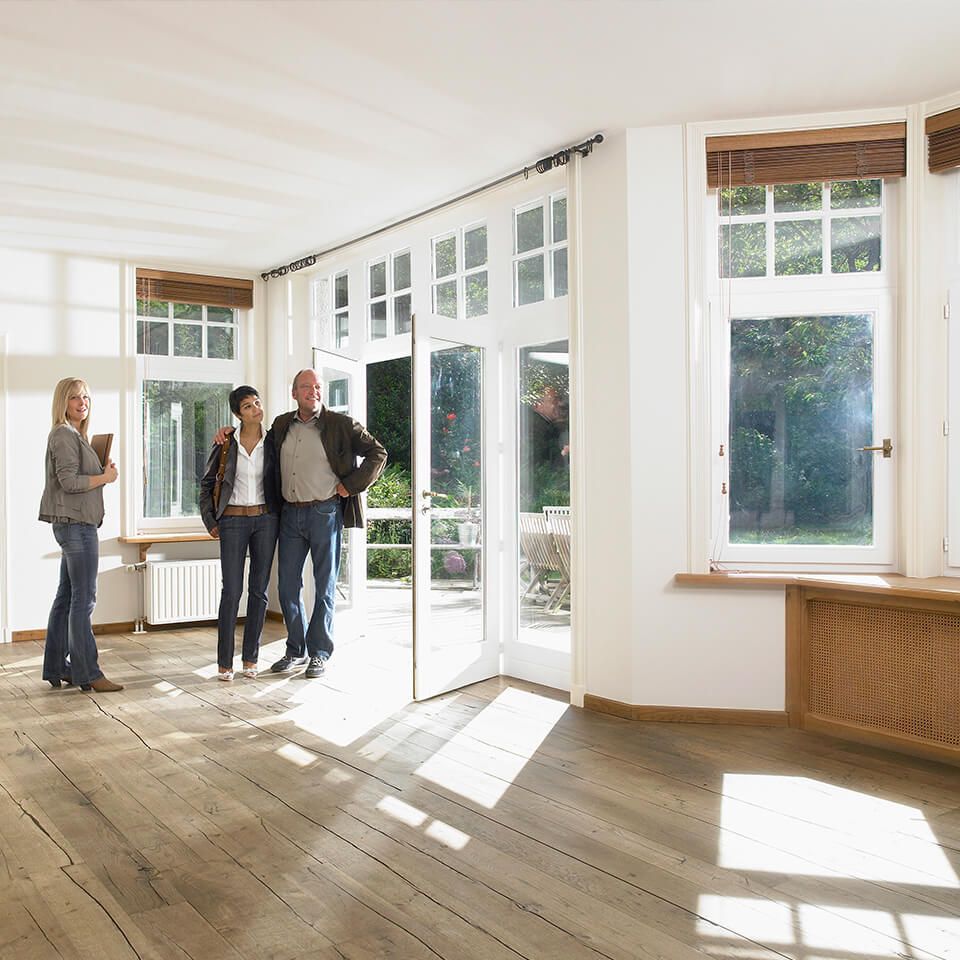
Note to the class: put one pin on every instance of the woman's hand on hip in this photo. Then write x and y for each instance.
(215, 533)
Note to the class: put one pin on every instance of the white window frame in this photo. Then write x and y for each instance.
(390, 295)
(825, 214)
(547, 251)
(187, 369)
(461, 272)
(824, 293)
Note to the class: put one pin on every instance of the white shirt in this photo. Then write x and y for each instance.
(248, 483)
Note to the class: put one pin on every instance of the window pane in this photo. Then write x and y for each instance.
(378, 320)
(743, 250)
(153, 337)
(475, 294)
(792, 197)
(343, 329)
(848, 194)
(445, 257)
(798, 247)
(529, 280)
(401, 271)
(560, 285)
(190, 311)
(742, 201)
(529, 230)
(378, 279)
(220, 343)
(153, 308)
(187, 340)
(445, 299)
(801, 406)
(401, 313)
(341, 291)
(179, 421)
(855, 244)
(475, 247)
(543, 450)
(338, 397)
(221, 315)
(559, 220)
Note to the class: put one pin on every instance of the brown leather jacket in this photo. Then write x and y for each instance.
(344, 440)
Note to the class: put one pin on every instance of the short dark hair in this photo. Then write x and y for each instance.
(239, 395)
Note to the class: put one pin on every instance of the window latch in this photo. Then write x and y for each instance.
(886, 447)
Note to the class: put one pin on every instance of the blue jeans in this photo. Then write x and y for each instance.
(69, 628)
(317, 529)
(237, 535)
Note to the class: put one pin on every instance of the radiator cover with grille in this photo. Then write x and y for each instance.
(893, 669)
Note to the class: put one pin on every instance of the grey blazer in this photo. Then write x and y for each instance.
(66, 493)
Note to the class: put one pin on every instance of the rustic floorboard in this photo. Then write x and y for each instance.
(285, 819)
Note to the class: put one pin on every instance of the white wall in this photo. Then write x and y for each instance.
(648, 641)
(63, 315)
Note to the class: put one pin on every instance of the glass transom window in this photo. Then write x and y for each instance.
(800, 229)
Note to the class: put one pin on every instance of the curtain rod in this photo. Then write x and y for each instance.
(558, 159)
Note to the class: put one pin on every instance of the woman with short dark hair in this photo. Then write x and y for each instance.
(245, 520)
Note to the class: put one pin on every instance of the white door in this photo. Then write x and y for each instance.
(455, 634)
(344, 391)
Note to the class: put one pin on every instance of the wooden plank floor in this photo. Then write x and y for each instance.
(284, 819)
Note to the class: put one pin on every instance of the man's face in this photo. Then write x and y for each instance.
(308, 392)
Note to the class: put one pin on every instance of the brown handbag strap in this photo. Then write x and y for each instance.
(221, 470)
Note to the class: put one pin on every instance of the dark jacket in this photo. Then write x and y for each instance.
(344, 440)
(271, 492)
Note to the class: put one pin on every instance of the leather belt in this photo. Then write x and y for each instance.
(312, 503)
(252, 511)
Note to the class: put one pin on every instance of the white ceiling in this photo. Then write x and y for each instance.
(246, 134)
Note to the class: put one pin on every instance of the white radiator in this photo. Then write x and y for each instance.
(180, 590)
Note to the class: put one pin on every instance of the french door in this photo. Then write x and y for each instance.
(455, 614)
(344, 391)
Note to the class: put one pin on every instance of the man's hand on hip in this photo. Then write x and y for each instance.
(342, 490)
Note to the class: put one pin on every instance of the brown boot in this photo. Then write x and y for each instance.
(102, 685)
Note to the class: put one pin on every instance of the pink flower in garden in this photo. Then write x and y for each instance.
(453, 562)
(476, 463)
(451, 416)
(466, 449)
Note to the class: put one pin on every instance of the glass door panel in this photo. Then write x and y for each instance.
(451, 644)
(343, 393)
(543, 468)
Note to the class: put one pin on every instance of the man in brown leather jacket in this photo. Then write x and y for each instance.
(320, 480)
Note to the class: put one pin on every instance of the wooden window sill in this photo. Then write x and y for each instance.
(888, 584)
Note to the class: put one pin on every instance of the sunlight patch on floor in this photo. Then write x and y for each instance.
(471, 764)
(797, 825)
(807, 930)
(437, 830)
(766, 921)
(296, 754)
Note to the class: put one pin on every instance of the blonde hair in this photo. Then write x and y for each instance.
(62, 393)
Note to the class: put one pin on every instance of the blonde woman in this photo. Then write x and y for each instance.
(73, 503)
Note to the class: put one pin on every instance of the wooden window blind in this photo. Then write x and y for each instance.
(943, 141)
(193, 288)
(805, 156)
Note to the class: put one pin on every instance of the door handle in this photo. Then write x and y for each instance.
(886, 447)
(431, 493)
